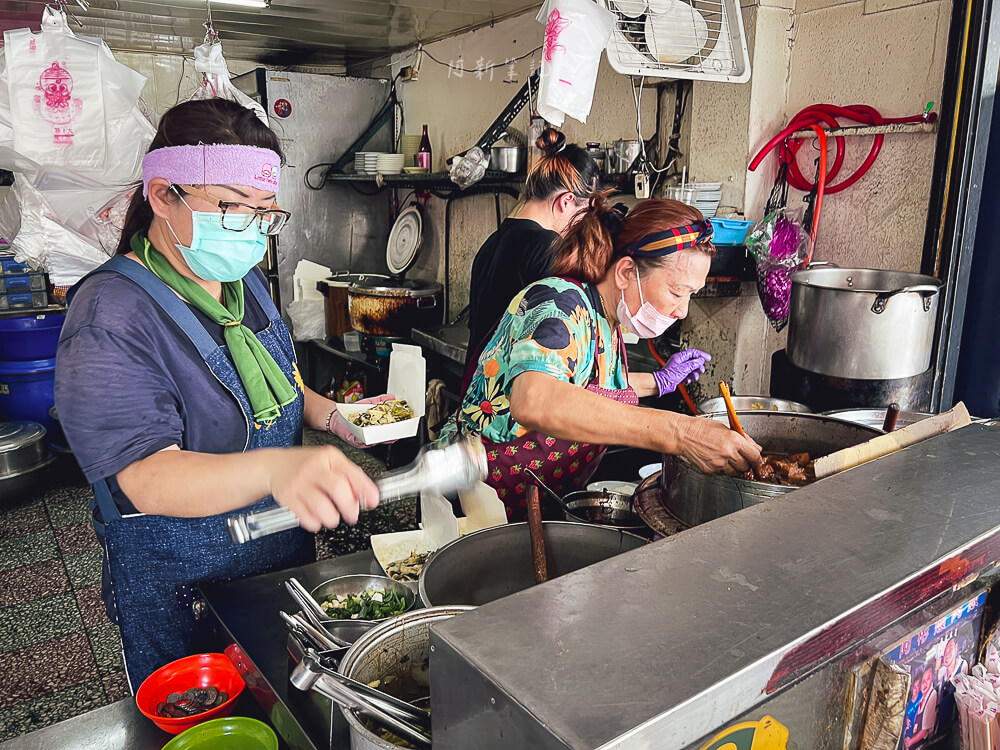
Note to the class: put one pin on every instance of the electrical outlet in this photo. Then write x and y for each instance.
(641, 185)
(409, 73)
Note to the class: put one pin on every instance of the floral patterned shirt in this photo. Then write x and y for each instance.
(549, 327)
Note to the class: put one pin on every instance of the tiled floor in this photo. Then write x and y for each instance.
(59, 654)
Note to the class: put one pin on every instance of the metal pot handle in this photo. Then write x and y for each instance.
(819, 264)
(927, 291)
(424, 303)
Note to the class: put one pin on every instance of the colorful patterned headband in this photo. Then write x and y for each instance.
(658, 244)
(217, 164)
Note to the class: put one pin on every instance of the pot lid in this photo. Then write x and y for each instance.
(404, 240)
(346, 278)
(401, 288)
(15, 435)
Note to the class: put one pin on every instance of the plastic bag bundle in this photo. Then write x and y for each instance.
(216, 80)
(576, 32)
(780, 245)
(73, 129)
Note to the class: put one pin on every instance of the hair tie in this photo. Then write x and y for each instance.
(658, 244)
(613, 219)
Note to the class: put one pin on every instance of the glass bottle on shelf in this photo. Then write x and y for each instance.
(424, 158)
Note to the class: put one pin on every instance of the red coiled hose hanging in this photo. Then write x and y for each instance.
(827, 115)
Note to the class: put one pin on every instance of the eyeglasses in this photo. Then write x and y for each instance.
(237, 217)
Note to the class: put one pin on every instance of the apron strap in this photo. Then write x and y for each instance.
(253, 282)
(105, 502)
(164, 296)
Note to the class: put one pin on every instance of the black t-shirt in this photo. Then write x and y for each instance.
(517, 254)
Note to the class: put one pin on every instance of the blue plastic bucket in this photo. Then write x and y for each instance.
(730, 231)
(29, 338)
(27, 390)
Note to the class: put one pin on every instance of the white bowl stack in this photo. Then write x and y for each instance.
(389, 163)
(707, 198)
(366, 162)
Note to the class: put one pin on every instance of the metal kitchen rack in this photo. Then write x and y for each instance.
(435, 181)
(697, 40)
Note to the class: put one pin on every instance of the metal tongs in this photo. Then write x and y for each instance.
(409, 722)
(444, 468)
(309, 606)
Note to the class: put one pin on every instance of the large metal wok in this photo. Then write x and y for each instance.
(695, 498)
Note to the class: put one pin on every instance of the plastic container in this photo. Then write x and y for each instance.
(730, 231)
(10, 267)
(29, 282)
(30, 337)
(198, 671)
(233, 732)
(23, 300)
(27, 391)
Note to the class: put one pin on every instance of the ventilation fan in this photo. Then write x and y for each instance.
(699, 40)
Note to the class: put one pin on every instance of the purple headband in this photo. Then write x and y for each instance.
(218, 164)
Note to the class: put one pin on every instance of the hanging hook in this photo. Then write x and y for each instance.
(211, 35)
(60, 7)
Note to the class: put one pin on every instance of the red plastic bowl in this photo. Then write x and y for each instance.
(200, 671)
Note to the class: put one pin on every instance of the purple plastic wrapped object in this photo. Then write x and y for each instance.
(780, 245)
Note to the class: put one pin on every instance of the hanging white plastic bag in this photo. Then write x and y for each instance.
(216, 83)
(70, 103)
(576, 32)
(43, 240)
(308, 319)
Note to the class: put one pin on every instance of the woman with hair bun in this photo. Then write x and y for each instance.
(552, 386)
(519, 252)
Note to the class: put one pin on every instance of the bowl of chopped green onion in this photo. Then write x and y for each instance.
(363, 598)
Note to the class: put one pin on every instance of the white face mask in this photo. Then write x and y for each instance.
(648, 322)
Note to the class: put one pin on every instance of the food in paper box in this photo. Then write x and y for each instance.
(407, 569)
(386, 412)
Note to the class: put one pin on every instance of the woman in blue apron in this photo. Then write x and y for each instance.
(177, 386)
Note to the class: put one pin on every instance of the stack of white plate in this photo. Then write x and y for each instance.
(389, 163)
(708, 197)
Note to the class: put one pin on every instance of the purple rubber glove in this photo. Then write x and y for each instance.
(684, 367)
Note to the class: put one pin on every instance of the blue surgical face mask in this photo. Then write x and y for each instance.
(219, 254)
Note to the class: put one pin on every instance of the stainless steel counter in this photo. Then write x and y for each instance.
(661, 646)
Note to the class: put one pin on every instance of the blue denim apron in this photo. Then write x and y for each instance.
(153, 563)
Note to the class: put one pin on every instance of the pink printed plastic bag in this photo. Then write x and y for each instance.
(576, 32)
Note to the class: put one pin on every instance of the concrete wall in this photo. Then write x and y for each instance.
(887, 54)
(459, 109)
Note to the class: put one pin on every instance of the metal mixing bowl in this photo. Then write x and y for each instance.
(355, 584)
(752, 404)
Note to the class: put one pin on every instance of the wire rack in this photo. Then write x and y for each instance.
(696, 40)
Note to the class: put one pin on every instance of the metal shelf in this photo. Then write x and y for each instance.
(437, 180)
